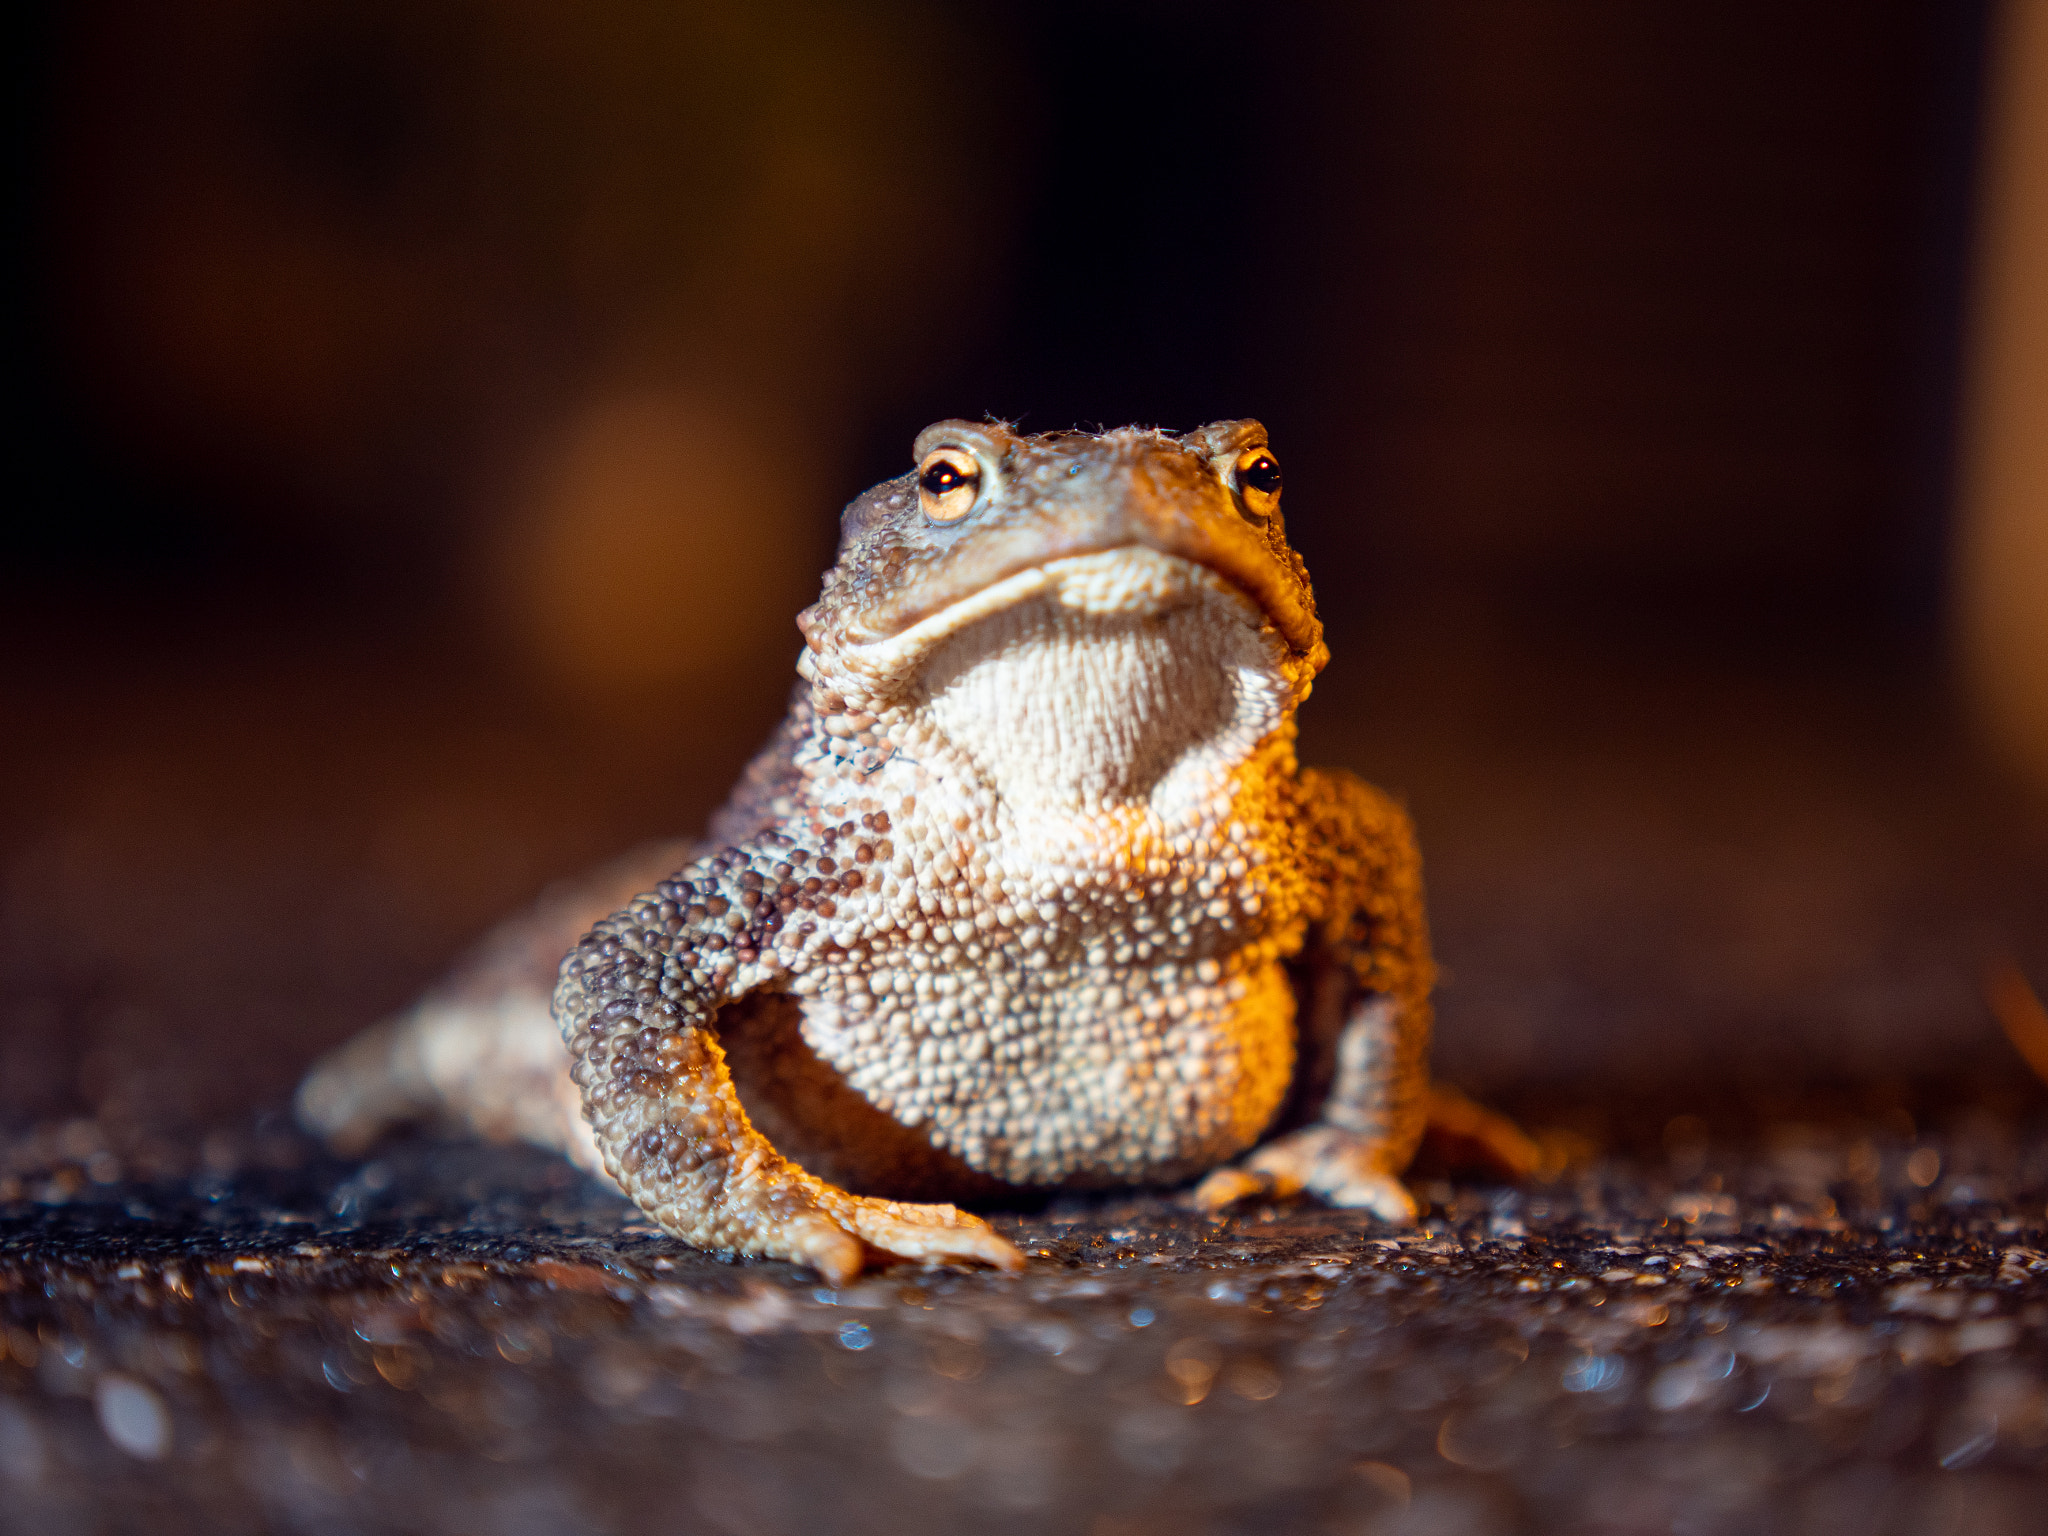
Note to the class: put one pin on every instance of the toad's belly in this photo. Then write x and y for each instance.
(955, 1087)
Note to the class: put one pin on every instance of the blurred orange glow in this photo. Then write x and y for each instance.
(667, 541)
(2002, 539)
(444, 292)
(2020, 1014)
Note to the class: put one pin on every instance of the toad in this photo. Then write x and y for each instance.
(1027, 892)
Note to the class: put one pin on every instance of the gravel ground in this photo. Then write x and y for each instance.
(1832, 1327)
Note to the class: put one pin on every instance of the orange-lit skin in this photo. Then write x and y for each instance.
(1029, 891)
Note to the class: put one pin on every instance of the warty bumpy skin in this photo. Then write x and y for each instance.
(1028, 891)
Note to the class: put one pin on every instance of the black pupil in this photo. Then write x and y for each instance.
(1262, 474)
(941, 478)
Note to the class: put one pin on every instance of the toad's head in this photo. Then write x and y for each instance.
(1074, 613)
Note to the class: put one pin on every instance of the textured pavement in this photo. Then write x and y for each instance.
(1837, 1326)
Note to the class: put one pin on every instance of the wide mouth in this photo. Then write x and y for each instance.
(1126, 580)
(1234, 562)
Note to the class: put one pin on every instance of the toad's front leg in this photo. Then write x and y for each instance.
(1353, 1154)
(1362, 855)
(636, 1002)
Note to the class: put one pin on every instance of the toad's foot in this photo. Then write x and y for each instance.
(1345, 1168)
(925, 1234)
(779, 1211)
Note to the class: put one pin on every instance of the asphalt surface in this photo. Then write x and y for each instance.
(1834, 1326)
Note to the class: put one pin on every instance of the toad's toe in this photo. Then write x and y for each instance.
(819, 1241)
(1380, 1193)
(930, 1234)
(1342, 1167)
(1225, 1187)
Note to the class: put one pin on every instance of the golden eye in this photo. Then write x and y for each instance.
(1256, 478)
(948, 484)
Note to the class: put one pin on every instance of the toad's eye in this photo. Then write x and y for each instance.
(948, 484)
(1256, 478)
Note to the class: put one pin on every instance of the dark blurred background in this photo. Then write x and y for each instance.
(426, 419)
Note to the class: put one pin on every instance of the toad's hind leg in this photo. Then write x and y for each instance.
(481, 1053)
(493, 1067)
(1485, 1137)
